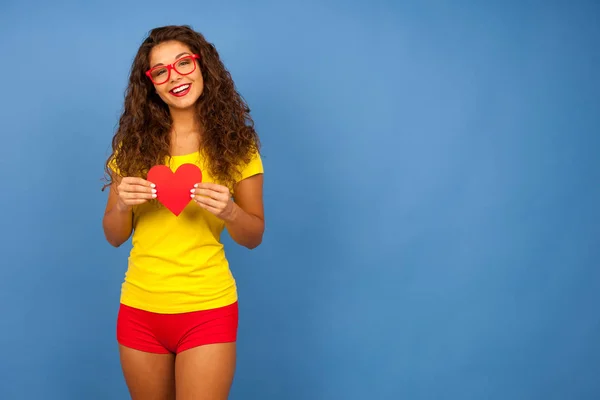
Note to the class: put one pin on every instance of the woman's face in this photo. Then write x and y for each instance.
(181, 86)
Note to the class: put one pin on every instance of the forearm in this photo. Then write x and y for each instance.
(244, 228)
(118, 225)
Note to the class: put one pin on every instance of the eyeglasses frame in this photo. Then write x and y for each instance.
(171, 67)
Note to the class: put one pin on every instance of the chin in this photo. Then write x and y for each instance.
(182, 105)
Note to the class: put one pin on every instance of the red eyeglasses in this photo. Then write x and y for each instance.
(183, 66)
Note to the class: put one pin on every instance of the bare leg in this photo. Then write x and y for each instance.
(148, 376)
(205, 372)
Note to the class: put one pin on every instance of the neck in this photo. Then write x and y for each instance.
(184, 122)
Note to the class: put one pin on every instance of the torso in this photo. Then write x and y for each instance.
(178, 263)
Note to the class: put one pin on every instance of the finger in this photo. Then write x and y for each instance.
(210, 209)
(131, 180)
(142, 189)
(207, 201)
(211, 193)
(212, 186)
(135, 188)
(138, 195)
(135, 202)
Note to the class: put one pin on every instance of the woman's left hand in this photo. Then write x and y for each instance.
(214, 198)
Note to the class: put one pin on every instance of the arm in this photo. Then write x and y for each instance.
(243, 218)
(246, 223)
(118, 221)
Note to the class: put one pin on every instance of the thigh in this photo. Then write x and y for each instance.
(205, 372)
(149, 376)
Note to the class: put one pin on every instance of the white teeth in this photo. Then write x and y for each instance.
(181, 88)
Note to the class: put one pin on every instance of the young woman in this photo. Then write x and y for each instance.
(178, 317)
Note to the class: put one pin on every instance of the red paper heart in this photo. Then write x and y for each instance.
(173, 189)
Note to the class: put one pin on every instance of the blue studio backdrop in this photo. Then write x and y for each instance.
(432, 193)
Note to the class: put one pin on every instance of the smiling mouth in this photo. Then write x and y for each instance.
(180, 91)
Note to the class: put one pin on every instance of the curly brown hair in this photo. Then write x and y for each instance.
(142, 139)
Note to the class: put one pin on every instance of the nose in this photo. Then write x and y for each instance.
(174, 75)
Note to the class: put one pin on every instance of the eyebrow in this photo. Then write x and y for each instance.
(176, 57)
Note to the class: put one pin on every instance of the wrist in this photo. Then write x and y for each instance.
(123, 208)
(233, 213)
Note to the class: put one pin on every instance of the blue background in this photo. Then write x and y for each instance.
(432, 194)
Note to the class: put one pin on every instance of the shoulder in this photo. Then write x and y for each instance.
(252, 167)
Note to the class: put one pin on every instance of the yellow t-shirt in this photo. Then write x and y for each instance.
(177, 263)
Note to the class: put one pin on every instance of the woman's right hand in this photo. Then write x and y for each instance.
(134, 191)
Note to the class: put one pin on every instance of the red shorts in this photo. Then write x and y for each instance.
(174, 333)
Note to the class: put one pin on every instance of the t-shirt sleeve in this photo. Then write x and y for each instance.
(112, 165)
(254, 167)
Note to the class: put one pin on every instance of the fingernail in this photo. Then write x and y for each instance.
(152, 185)
(154, 196)
(192, 196)
(196, 185)
(193, 190)
(153, 190)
